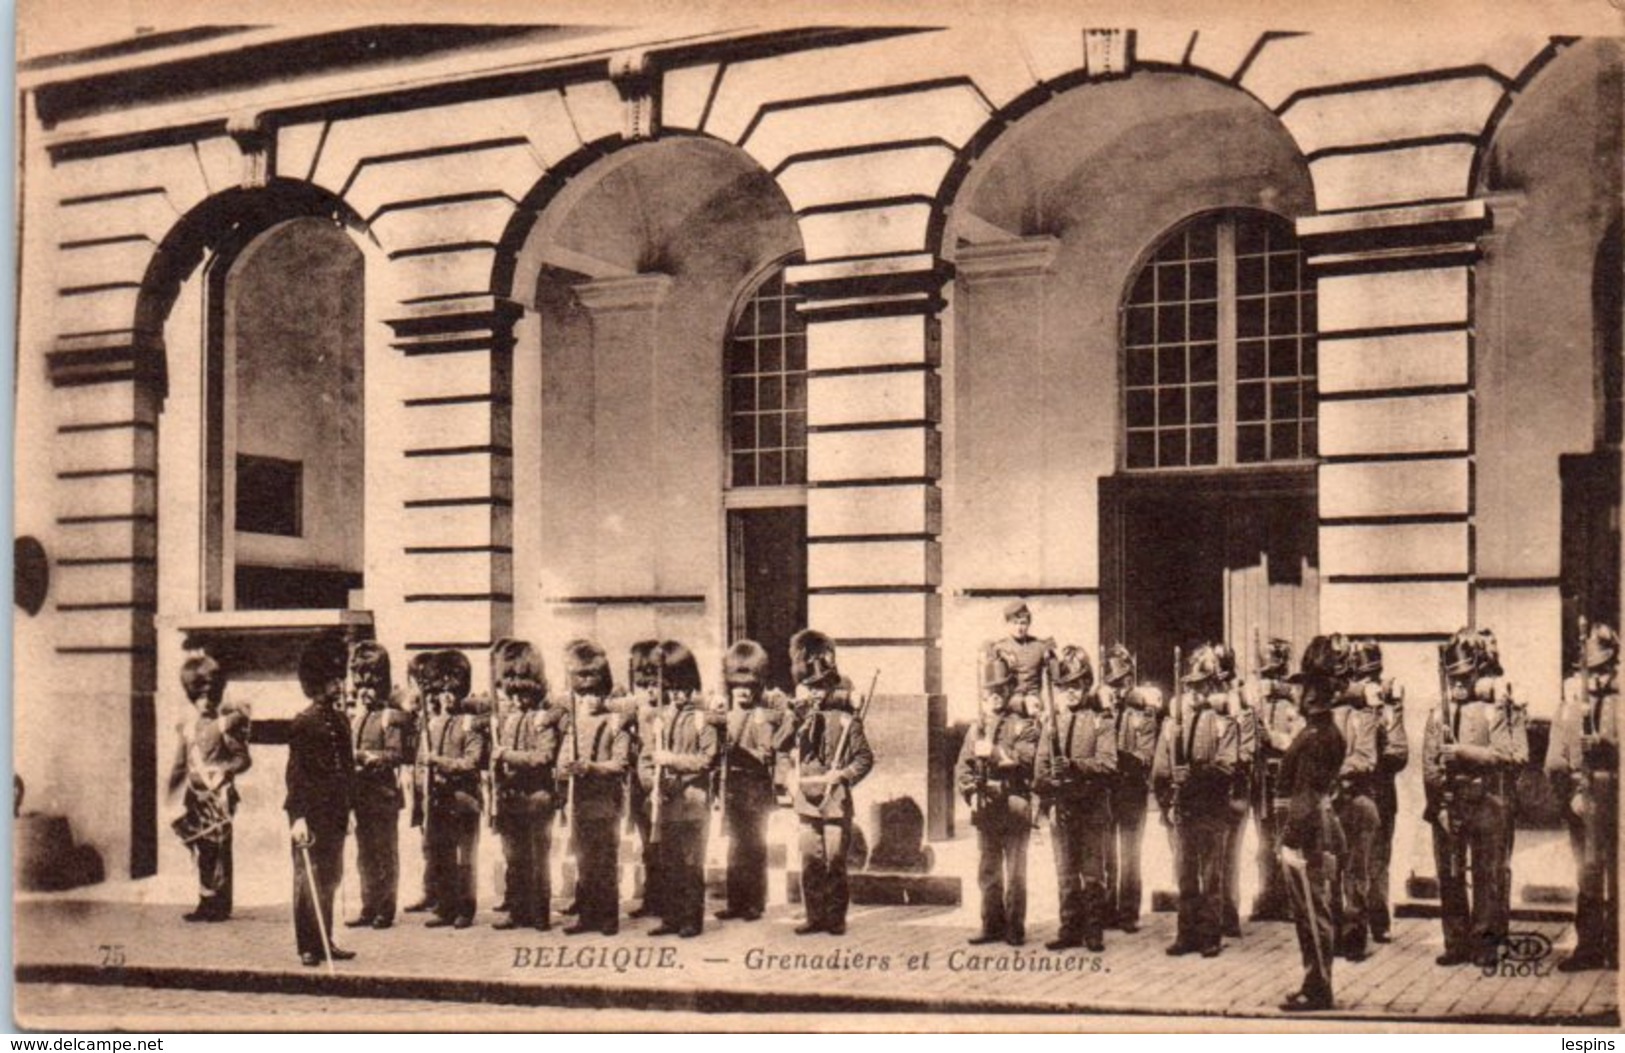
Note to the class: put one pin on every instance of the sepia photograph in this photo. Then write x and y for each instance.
(573, 516)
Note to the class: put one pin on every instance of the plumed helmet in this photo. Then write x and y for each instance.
(1461, 654)
(745, 665)
(643, 664)
(1275, 658)
(812, 658)
(1117, 666)
(1071, 669)
(520, 671)
(456, 676)
(1601, 647)
(1489, 654)
(1203, 665)
(995, 673)
(681, 671)
(201, 677)
(587, 667)
(1325, 659)
(1366, 662)
(1226, 657)
(369, 668)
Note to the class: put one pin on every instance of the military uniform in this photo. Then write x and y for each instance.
(1465, 744)
(1583, 764)
(1077, 759)
(213, 752)
(1356, 802)
(457, 746)
(1193, 774)
(603, 745)
(1311, 837)
(1275, 708)
(677, 765)
(320, 781)
(525, 749)
(421, 705)
(644, 711)
(381, 734)
(747, 781)
(998, 787)
(1386, 700)
(1233, 705)
(1136, 714)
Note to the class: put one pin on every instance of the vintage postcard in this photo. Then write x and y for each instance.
(647, 517)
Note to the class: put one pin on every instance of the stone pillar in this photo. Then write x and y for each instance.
(874, 559)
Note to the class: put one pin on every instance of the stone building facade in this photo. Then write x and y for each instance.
(447, 333)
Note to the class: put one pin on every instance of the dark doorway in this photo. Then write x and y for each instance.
(1192, 557)
(767, 581)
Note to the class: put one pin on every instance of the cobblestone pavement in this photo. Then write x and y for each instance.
(892, 960)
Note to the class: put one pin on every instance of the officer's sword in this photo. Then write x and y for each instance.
(1312, 922)
(316, 906)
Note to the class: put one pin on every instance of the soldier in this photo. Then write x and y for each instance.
(1077, 758)
(1583, 763)
(379, 735)
(831, 755)
(213, 751)
(1275, 707)
(422, 703)
(500, 706)
(747, 778)
(1386, 700)
(644, 707)
(456, 745)
(995, 776)
(1356, 804)
(524, 752)
(1024, 655)
(319, 779)
(1193, 775)
(1311, 838)
(677, 765)
(1231, 704)
(1465, 744)
(1136, 712)
(1493, 687)
(598, 748)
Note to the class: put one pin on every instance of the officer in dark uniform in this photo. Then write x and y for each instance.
(1194, 772)
(1583, 764)
(380, 736)
(747, 778)
(1077, 759)
(678, 765)
(1024, 655)
(830, 755)
(524, 755)
(1386, 700)
(422, 703)
(1311, 838)
(1465, 744)
(1136, 712)
(457, 749)
(1275, 708)
(213, 752)
(320, 780)
(995, 776)
(1356, 804)
(597, 750)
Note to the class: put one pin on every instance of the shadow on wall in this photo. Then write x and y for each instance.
(47, 858)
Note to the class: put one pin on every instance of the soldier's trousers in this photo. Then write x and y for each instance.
(1130, 800)
(213, 858)
(598, 889)
(654, 882)
(1273, 903)
(1200, 865)
(326, 854)
(454, 857)
(682, 866)
(1357, 814)
(1380, 890)
(823, 844)
(1236, 825)
(1476, 924)
(1080, 834)
(747, 859)
(378, 859)
(1002, 875)
(1310, 892)
(1594, 839)
(527, 850)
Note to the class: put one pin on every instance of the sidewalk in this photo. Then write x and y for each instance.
(892, 960)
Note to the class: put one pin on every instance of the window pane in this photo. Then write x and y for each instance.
(1283, 315)
(1145, 287)
(795, 354)
(742, 394)
(741, 356)
(1250, 359)
(1284, 442)
(795, 391)
(1311, 447)
(795, 430)
(743, 432)
(795, 467)
(1171, 282)
(1170, 324)
(1204, 321)
(1203, 237)
(770, 357)
(1250, 276)
(1171, 365)
(1250, 443)
(744, 473)
(770, 392)
(1141, 327)
(1284, 400)
(1205, 404)
(1283, 358)
(1204, 281)
(1251, 236)
(770, 431)
(1204, 363)
(1170, 448)
(1141, 410)
(1249, 402)
(1142, 449)
(1311, 366)
(1170, 406)
(1307, 399)
(1142, 368)
(1283, 272)
(1204, 446)
(1249, 318)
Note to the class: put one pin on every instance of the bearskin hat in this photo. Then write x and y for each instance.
(1601, 647)
(1366, 661)
(323, 661)
(201, 678)
(454, 675)
(519, 669)
(1489, 654)
(1275, 658)
(369, 668)
(587, 666)
(1461, 656)
(681, 671)
(1117, 665)
(421, 669)
(643, 664)
(1325, 659)
(745, 665)
(812, 658)
(1071, 669)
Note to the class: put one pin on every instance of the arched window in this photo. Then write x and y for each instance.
(1219, 347)
(767, 388)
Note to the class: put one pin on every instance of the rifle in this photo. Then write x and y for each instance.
(493, 818)
(838, 758)
(1054, 743)
(727, 749)
(1446, 798)
(662, 741)
(575, 756)
(1176, 711)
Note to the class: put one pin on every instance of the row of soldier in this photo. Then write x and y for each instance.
(525, 758)
(1313, 756)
